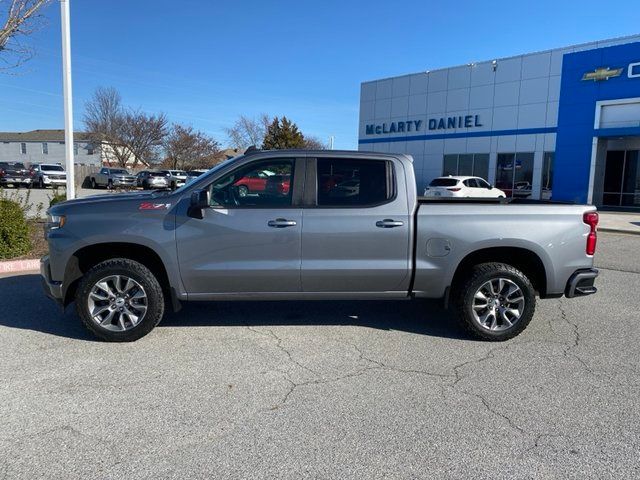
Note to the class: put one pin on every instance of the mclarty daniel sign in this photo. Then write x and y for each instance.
(441, 123)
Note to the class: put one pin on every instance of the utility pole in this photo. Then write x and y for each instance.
(331, 142)
(67, 96)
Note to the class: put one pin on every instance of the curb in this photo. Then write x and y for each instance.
(618, 230)
(14, 266)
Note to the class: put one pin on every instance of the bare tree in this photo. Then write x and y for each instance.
(247, 131)
(144, 135)
(126, 137)
(23, 18)
(314, 143)
(186, 148)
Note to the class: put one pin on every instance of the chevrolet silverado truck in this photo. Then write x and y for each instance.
(124, 257)
(113, 177)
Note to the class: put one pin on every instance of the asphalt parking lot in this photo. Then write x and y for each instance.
(326, 390)
(37, 196)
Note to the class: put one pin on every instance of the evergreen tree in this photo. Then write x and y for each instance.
(282, 134)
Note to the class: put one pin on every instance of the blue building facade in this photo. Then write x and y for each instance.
(561, 124)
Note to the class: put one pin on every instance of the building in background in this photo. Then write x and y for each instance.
(46, 146)
(561, 124)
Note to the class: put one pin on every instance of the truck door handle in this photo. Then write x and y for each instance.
(389, 223)
(281, 223)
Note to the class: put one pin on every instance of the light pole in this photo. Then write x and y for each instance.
(68, 100)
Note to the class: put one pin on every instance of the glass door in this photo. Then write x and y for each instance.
(622, 179)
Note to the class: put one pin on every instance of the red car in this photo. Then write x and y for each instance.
(261, 181)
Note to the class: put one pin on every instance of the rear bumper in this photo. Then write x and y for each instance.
(52, 289)
(581, 283)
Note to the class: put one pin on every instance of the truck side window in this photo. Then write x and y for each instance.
(353, 182)
(260, 184)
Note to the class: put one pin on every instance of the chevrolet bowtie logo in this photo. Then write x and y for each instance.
(600, 74)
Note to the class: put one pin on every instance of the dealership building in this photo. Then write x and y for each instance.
(561, 124)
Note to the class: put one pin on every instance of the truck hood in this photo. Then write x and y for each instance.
(61, 207)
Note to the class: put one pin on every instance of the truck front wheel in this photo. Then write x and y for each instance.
(119, 300)
(496, 302)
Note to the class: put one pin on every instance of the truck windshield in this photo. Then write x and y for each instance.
(443, 182)
(121, 170)
(210, 172)
(52, 168)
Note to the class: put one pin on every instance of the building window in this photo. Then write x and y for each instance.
(89, 149)
(467, 164)
(23, 148)
(547, 175)
(75, 148)
(514, 174)
(45, 148)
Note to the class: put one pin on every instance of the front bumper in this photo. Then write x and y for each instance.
(15, 180)
(52, 289)
(54, 181)
(125, 182)
(581, 283)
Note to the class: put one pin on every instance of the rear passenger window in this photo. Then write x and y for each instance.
(353, 182)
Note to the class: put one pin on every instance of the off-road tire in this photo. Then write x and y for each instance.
(463, 294)
(139, 273)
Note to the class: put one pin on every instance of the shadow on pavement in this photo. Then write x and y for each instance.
(26, 307)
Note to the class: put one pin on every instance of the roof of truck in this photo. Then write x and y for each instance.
(327, 153)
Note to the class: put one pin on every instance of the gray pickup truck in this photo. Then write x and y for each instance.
(113, 177)
(322, 225)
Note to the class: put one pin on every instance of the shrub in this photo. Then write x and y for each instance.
(24, 201)
(14, 230)
(57, 198)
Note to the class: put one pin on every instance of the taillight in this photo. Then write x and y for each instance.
(456, 189)
(1, 172)
(591, 219)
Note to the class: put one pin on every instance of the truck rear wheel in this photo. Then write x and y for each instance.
(119, 300)
(496, 302)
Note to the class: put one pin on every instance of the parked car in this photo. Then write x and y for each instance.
(113, 177)
(47, 175)
(14, 173)
(193, 174)
(471, 187)
(175, 178)
(253, 182)
(148, 179)
(522, 190)
(120, 256)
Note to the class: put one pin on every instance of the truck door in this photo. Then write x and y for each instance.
(244, 243)
(356, 233)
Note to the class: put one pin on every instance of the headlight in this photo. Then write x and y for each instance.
(53, 223)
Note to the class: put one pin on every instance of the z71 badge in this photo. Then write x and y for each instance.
(154, 206)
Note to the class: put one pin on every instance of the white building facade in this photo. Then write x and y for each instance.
(528, 124)
(46, 146)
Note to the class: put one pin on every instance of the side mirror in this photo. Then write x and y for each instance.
(490, 187)
(200, 199)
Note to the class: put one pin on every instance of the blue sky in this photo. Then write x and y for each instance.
(205, 62)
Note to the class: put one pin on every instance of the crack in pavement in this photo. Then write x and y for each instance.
(281, 347)
(536, 441)
(383, 366)
(293, 385)
(576, 340)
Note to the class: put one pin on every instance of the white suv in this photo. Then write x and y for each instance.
(47, 175)
(474, 187)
